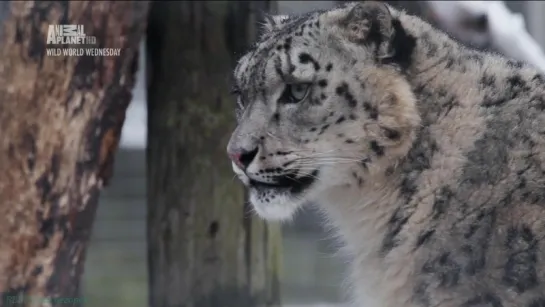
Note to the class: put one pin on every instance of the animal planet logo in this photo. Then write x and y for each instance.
(68, 35)
(74, 35)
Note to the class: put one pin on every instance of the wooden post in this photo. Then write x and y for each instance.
(205, 247)
(60, 122)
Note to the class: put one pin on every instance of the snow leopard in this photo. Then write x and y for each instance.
(427, 156)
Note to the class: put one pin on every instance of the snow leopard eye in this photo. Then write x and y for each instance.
(294, 93)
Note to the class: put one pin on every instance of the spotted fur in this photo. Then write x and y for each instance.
(426, 156)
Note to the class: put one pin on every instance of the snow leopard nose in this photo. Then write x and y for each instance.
(243, 158)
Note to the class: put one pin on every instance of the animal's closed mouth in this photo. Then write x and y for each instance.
(288, 182)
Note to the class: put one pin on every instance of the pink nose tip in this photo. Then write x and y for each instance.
(243, 158)
(235, 157)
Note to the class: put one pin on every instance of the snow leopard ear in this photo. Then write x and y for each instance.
(368, 22)
(273, 22)
(371, 24)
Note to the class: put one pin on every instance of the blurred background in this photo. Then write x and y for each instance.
(116, 265)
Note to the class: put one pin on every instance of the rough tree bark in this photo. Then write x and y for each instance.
(60, 122)
(205, 247)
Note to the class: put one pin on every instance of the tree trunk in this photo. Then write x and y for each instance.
(60, 121)
(205, 247)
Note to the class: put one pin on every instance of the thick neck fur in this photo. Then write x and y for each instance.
(354, 210)
(446, 79)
